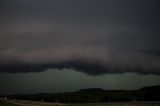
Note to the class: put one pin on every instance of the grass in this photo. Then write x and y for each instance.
(3, 103)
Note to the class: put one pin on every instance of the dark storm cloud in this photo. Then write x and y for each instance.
(91, 36)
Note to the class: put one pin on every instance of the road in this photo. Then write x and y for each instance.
(33, 103)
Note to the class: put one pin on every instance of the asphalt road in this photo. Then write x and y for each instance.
(33, 103)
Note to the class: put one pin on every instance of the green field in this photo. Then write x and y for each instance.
(3, 103)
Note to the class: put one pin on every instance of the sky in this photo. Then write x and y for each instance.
(66, 45)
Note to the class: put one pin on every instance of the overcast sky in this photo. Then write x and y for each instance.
(93, 37)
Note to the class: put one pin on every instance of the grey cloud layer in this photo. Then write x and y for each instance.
(91, 36)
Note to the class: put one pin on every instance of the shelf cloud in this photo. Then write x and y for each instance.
(95, 37)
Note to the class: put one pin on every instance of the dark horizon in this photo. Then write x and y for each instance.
(148, 94)
(83, 89)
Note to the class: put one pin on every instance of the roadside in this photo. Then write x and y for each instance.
(4, 103)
